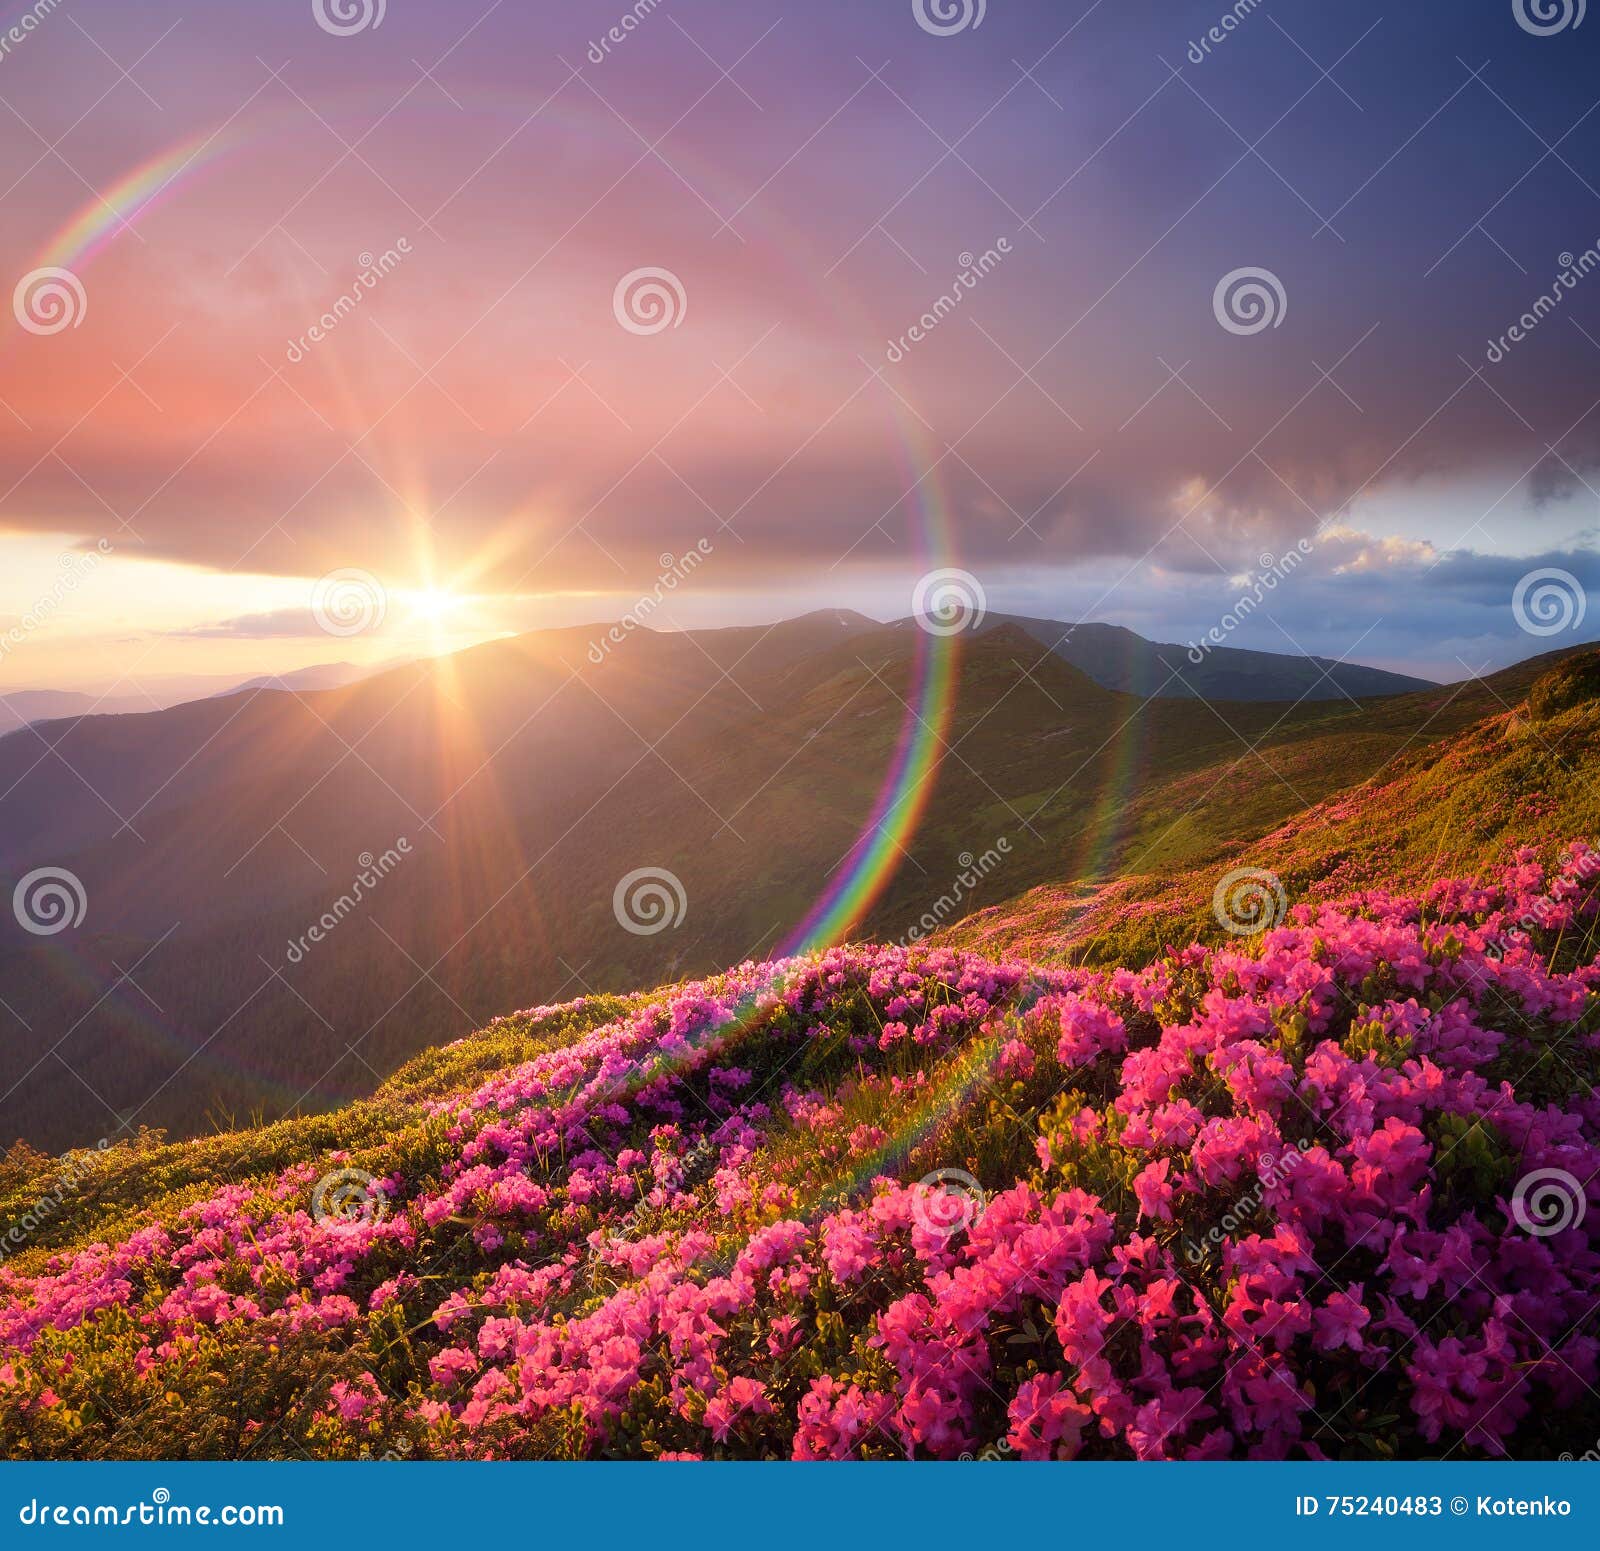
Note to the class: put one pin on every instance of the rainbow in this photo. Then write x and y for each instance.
(902, 799)
(127, 201)
(908, 783)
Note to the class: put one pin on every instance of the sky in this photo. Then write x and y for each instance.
(351, 329)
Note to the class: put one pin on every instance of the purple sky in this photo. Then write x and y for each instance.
(482, 435)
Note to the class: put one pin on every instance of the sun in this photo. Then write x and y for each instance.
(438, 616)
(434, 604)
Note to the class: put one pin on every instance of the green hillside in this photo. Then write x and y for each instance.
(1408, 790)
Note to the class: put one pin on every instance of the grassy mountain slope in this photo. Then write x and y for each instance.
(1424, 786)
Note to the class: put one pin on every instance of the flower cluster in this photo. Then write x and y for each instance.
(696, 1230)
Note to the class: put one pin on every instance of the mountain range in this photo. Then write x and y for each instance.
(21, 707)
(512, 788)
(1117, 658)
(1113, 656)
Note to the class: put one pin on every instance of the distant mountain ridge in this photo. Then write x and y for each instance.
(1119, 658)
(324, 675)
(20, 707)
(23, 707)
(1112, 655)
